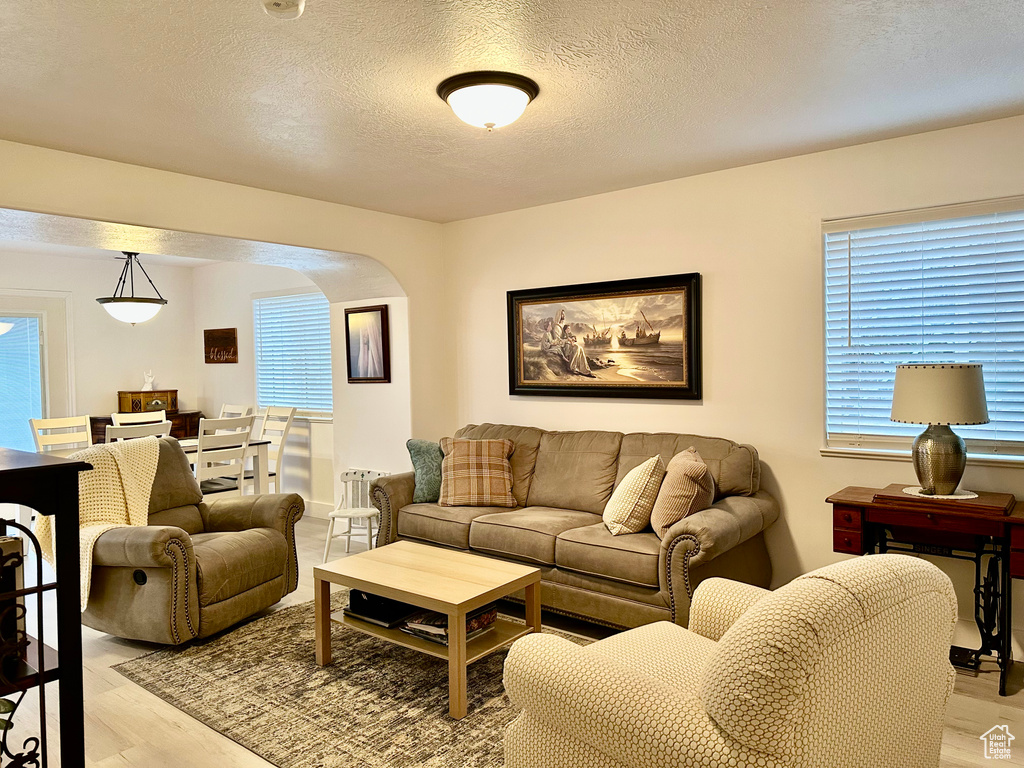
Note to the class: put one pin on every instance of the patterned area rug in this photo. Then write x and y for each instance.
(376, 704)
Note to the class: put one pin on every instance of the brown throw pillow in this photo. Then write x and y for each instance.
(476, 473)
(687, 488)
(629, 508)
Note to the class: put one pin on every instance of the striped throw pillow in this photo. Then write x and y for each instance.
(629, 508)
(688, 487)
(476, 473)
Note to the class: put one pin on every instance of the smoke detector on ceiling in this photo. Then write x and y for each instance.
(284, 9)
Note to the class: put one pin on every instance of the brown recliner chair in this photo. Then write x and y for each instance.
(197, 568)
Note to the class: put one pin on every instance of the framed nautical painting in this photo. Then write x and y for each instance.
(368, 345)
(626, 338)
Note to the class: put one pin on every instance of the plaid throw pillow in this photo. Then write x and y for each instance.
(476, 473)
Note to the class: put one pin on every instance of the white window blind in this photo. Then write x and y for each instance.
(947, 287)
(293, 352)
(21, 384)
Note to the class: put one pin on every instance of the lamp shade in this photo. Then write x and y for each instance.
(939, 394)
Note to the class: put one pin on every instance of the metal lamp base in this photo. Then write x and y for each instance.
(939, 460)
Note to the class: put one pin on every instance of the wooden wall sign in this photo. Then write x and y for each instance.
(221, 345)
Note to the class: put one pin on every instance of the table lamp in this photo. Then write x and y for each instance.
(939, 395)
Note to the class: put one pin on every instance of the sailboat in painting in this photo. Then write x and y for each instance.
(642, 338)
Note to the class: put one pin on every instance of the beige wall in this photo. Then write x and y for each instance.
(754, 233)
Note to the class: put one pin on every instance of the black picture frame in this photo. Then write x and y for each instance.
(540, 363)
(380, 374)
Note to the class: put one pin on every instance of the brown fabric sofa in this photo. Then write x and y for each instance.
(562, 481)
(198, 567)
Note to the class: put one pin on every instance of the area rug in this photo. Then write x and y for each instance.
(375, 705)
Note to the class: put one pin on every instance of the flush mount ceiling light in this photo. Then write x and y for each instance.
(488, 99)
(5, 327)
(131, 309)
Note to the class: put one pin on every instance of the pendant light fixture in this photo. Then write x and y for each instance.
(131, 309)
(488, 99)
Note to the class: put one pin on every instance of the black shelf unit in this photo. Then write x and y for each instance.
(49, 485)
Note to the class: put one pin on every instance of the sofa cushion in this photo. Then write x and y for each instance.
(735, 467)
(476, 473)
(576, 470)
(440, 525)
(232, 562)
(631, 558)
(688, 487)
(174, 484)
(524, 457)
(629, 508)
(426, 458)
(526, 534)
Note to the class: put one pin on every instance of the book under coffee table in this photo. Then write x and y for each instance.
(444, 580)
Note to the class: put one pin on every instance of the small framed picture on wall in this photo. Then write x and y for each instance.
(367, 343)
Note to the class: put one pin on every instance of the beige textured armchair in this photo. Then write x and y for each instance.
(844, 667)
(197, 568)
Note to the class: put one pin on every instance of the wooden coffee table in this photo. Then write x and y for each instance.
(443, 580)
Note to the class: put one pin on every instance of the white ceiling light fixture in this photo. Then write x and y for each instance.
(5, 327)
(284, 9)
(488, 99)
(131, 309)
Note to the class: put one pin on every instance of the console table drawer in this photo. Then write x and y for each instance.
(937, 521)
(848, 542)
(1017, 538)
(846, 517)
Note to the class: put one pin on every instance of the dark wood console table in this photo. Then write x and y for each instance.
(184, 425)
(49, 485)
(994, 542)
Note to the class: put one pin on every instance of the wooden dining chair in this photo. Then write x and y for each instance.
(132, 431)
(145, 417)
(355, 505)
(220, 454)
(63, 434)
(276, 424)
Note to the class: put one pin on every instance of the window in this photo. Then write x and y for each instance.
(933, 286)
(21, 383)
(293, 352)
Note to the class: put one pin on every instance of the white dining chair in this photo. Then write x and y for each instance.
(144, 417)
(276, 424)
(228, 411)
(62, 434)
(354, 505)
(132, 431)
(220, 454)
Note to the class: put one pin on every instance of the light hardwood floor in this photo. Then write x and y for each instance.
(126, 726)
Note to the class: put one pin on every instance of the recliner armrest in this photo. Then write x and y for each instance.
(145, 546)
(717, 604)
(389, 494)
(279, 511)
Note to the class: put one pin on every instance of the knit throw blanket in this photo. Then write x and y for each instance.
(113, 494)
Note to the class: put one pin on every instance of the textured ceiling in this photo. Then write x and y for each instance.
(340, 104)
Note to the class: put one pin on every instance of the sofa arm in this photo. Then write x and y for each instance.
(279, 511)
(146, 546)
(701, 537)
(389, 495)
(718, 603)
(631, 718)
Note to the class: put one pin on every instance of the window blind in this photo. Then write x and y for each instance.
(21, 392)
(293, 352)
(930, 291)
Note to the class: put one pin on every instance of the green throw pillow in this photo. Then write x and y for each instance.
(426, 462)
